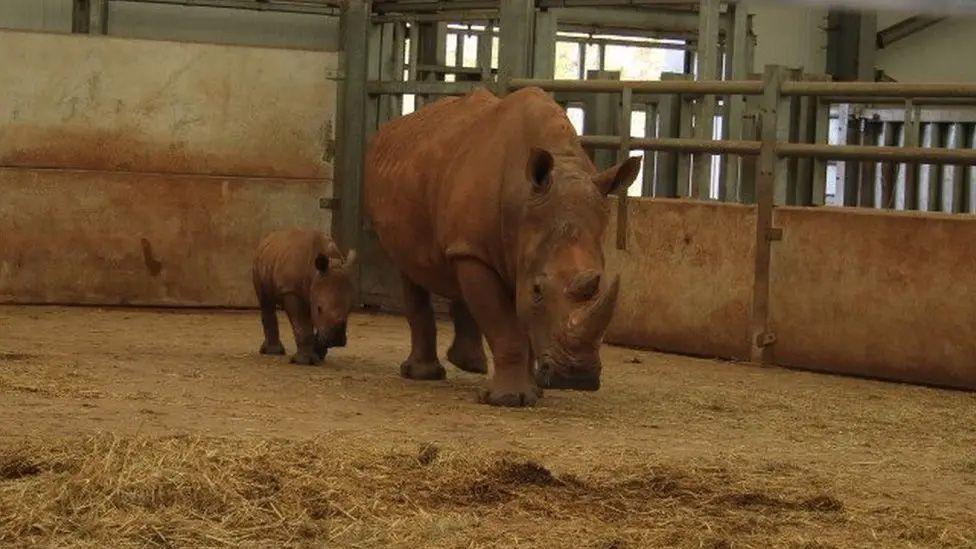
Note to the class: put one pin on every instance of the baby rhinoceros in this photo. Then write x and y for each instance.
(304, 272)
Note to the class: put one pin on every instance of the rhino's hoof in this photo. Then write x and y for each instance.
(321, 350)
(306, 359)
(272, 348)
(469, 360)
(426, 371)
(514, 399)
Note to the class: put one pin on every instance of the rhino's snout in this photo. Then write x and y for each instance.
(334, 337)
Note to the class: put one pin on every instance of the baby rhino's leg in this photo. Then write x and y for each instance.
(269, 321)
(301, 323)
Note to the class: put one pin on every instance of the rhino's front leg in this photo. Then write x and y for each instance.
(300, 317)
(511, 382)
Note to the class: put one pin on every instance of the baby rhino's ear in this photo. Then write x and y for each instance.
(322, 263)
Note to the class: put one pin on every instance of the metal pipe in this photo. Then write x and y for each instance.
(970, 206)
(673, 144)
(421, 88)
(326, 8)
(966, 157)
(879, 89)
(682, 87)
(905, 28)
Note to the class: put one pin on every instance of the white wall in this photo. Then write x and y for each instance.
(945, 51)
(791, 36)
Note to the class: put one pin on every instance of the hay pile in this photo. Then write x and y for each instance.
(108, 491)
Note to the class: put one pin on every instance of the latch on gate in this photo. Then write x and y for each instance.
(765, 339)
(774, 234)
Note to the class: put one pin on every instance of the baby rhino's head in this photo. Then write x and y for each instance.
(331, 299)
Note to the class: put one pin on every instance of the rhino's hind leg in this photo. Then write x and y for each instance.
(511, 383)
(467, 352)
(422, 364)
(269, 322)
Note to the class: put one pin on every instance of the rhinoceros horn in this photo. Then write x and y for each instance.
(588, 324)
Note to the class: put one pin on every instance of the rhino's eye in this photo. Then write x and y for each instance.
(537, 292)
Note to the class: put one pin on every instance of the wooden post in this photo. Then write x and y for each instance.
(352, 129)
(770, 169)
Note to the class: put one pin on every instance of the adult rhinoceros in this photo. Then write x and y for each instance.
(493, 204)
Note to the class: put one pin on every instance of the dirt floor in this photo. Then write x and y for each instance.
(133, 427)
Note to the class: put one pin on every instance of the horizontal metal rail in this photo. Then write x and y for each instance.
(684, 87)
(956, 157)
(666, 144)
(878, 89)
(960, 157)
(318, 8)
(421, 88)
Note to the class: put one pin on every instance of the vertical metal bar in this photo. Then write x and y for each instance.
(912, 137)
(650, 157)
(517, 26)
(80, 16)
(852, 131)
(901, 170)
(784, 120)
(459, 49)
(399, 45)
(623, 126)
(865, 195)
(544, 49)
(414, 51)
(803, 185)
(970, 206)
(601, 117)
(685, 130)
(98, 17)
(484, 50)
(708, 67)
(669, 125)
(821, 136)
(952, 176)
(738, 61)
(582, 60)
(770, 167)
(929, 177)
(601, 56)
(352, 130)
(885, 171)
(748, 169)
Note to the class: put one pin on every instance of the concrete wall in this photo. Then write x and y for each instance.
(686, 277)
(183, 23)
(793, 36)
(40, 15)
(940, 53)
(862, 292)
(881, 294)
(145, 172)
(223, 26)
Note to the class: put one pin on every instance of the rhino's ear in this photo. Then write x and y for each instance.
(322, 263)
(618, 177)
(539, 169)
